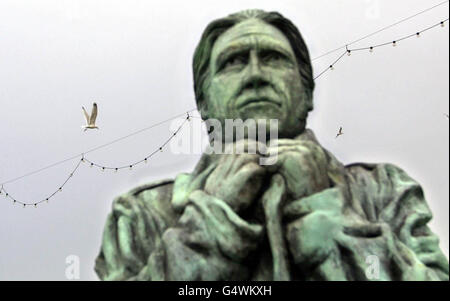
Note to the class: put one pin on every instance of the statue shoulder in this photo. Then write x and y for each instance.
(156, 189)
(138, 219)
(382, 172)
(383, 189)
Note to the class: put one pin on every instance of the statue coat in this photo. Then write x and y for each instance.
(369, 223)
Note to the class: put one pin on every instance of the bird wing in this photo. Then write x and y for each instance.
(86, 115)
(93, 114)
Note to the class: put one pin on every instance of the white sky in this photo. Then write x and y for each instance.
(134, 58)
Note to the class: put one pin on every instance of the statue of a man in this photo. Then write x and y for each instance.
(306, 217)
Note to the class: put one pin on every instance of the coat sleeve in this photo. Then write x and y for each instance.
(132, 233)
(386, 194)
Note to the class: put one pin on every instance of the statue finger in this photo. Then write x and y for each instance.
(243, 186)
(295, 210)
(280, 156)
(199, 180)
(186, 183)
(329, 200)
(241, 160)
(251, 173)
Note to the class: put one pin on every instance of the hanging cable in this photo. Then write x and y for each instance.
(371, 49)
(90, 163)
(93, 149)
(83, 159)
(145, 160)
(378, 31)
(47, 199)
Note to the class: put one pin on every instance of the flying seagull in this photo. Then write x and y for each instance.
(90, 120)
(340, 132)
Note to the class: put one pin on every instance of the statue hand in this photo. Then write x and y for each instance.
(303, 165)
(317, 230)
(318, 234)
(237, 179)
(312, 224)
(209, 242)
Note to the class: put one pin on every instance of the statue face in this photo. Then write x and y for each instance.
(254, 74)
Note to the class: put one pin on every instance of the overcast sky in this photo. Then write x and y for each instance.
(134, 59)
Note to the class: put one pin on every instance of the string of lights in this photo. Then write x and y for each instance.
(93, 149)
(145, 160)
(102, 167)
(371, 48)
(331, 67)
(83, 159)
(378, 31)
(47, 199)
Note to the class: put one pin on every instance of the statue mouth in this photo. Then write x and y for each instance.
(258, 100)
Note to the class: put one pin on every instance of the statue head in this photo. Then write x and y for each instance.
(254, 65)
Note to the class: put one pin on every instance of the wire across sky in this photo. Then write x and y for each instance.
(346, 50)
(372, 48)
(379, 30)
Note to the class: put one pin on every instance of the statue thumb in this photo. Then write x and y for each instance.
(185, 184)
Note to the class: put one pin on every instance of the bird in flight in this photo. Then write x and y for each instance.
(446, 115)
(90, 120)
(340, 132)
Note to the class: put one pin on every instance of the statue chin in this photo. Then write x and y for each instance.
(290, 124)
(290, 129)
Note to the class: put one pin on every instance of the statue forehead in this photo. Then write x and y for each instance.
(249, 32)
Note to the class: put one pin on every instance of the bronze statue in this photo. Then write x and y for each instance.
(306, 217)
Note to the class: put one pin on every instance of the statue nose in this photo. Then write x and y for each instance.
(255, 74)
(254, 64)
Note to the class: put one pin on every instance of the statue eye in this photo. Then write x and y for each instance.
(271, 57)
(235, 61)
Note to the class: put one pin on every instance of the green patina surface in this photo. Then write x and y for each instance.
(306, 217)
